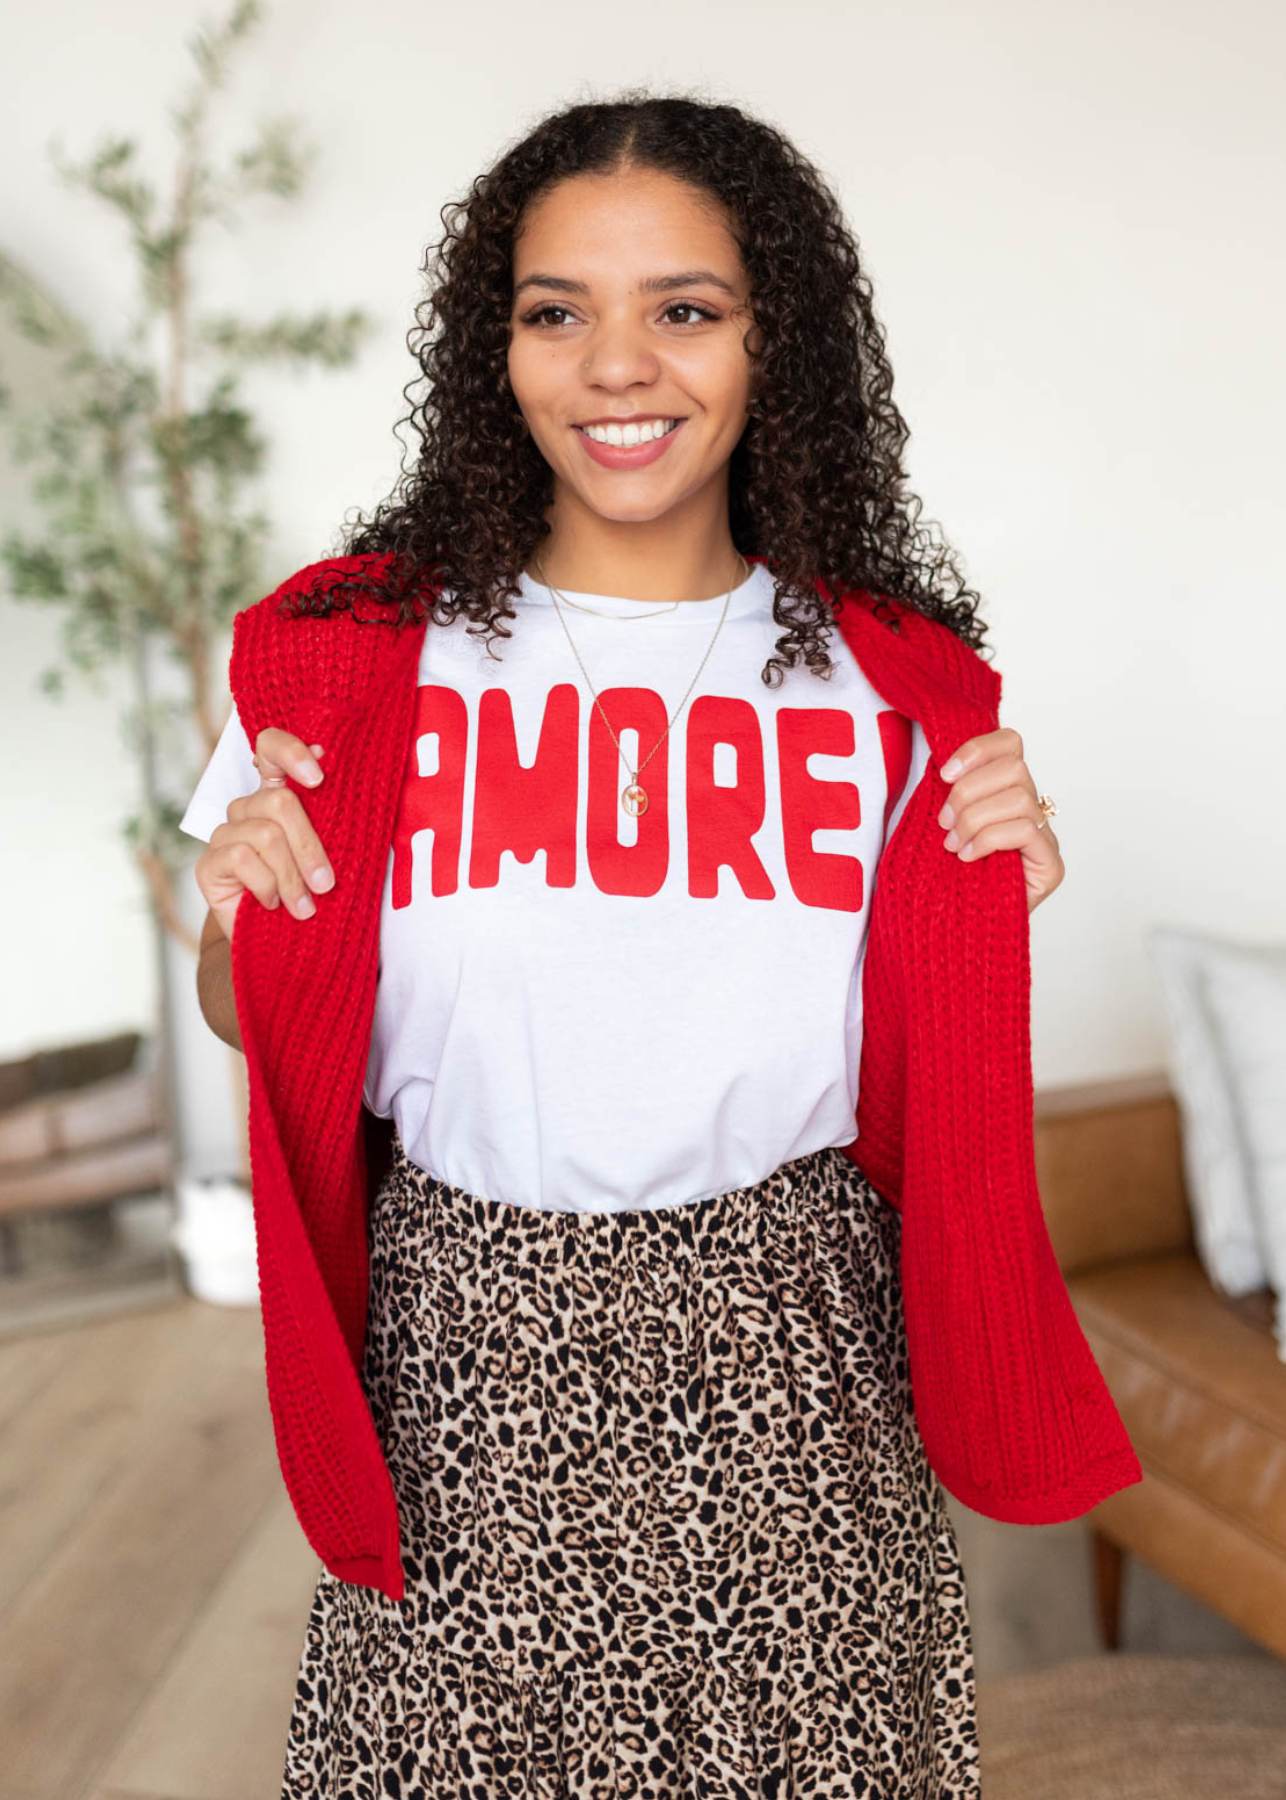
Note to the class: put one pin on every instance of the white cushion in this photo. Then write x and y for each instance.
(1245, 989)
(1224, 1214)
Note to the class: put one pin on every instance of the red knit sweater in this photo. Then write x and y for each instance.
(1015, 1416)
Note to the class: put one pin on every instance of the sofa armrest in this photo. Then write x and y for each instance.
(82, 1118)
(1109, 1165)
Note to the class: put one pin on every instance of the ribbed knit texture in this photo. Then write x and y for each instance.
(1015, 1416)
(1012, 1407)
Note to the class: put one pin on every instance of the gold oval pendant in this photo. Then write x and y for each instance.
(634, 800)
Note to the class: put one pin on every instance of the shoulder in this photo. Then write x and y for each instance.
(934, 647)
(300, 640)
(298, 612)
(318, 578)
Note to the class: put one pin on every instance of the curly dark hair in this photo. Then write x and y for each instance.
(816, 484)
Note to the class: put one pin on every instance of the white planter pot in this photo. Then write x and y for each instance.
(215, 1235)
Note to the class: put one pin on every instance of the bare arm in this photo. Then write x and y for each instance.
(214, 983)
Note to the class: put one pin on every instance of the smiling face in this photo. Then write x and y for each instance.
(631, 305)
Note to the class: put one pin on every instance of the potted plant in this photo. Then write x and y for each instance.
(146, 545)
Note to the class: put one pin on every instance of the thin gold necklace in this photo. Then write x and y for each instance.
(598, 612)
(633, 796)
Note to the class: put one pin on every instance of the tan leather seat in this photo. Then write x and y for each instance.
(80, 1124)
(1196, 1376)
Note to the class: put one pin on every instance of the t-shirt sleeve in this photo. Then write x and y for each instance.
(228, 775)
(919, 763)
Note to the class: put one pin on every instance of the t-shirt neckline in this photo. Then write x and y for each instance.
(753, 594)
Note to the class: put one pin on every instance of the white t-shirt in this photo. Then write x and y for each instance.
(578, 1009)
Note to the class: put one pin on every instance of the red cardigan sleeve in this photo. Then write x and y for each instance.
(1015, 1415)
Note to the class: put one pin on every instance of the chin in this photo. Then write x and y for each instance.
(638, 514)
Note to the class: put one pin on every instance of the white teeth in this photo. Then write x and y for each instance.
(630, 434)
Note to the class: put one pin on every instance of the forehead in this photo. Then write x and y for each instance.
(619, 229)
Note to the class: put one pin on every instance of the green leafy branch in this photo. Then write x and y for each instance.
(139, 479)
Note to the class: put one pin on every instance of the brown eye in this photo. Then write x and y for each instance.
(541, 313)
(691, 306)
(534, 318)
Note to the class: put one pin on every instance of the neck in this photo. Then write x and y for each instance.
(651, 562)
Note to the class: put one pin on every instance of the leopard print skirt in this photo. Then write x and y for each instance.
(667, 1523)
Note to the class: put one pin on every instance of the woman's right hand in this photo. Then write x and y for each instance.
(266, 845)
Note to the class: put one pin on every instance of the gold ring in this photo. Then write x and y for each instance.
(268, 780)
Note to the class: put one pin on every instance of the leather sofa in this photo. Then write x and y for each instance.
(1196, 1376)
(81, 1123)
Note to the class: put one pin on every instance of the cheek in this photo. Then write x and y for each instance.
(538, 385)
(519, 373)
(724, 385)
(529, 366)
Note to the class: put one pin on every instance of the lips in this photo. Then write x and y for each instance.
(627, 456)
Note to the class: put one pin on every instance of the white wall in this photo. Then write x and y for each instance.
(1071, 217)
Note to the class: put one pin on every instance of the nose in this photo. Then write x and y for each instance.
(619, 355)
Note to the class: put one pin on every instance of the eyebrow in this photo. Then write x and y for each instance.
(654, 284)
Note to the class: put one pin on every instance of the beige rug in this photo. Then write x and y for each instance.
(1124, 1727)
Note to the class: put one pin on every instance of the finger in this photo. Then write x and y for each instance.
(1001, 782)
(1004, 741)
(995, 772)
(1010, 834)
(274, 820)
(231, 864)
(1013, 802)
(286, 809)
(279, 753)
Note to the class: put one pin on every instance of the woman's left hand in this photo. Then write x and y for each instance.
(993, 806)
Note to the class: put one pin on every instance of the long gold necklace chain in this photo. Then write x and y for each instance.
(634, 797)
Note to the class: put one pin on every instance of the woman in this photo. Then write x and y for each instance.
(631, 1341)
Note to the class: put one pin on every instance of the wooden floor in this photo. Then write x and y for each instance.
(155, 1584)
